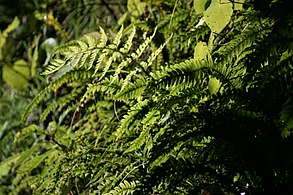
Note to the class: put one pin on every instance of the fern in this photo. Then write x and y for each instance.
(148, 122)
(168, 126)
(60, 103)
(28, 131)
(131, 91)
(233, 49)
(188, 73)
(164, 158)
(70, 76)
(129, 119)
(124, 188)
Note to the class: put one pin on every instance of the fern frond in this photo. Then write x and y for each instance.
(286, 120)
(158, 51)
(126, 123)
(183, 75)
(60, 103)
(150, 119)
(113, 58)
(34, 162)
(129, 42)
(131, 91)
(80, 52)
(27, 131)
(143, 46)
(122, 65)
(252, 34)
(288, 128)
(124, 188)
(101, 59)
(165, 157)
(107, 86)
(5, 166)
(139, 141)
(80, 75)
(54, 66)
(118, 37)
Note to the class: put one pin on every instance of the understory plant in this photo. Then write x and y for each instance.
(189, 98)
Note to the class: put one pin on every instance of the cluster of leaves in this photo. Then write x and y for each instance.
(29, 30)
(207, 109)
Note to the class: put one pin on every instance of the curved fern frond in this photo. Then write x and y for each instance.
(150, 120)
(127, 123)
(60, 103)
(80, 75)
(143, 46)
(131, 91)
(129, 42)
(27, 131)
(252, 34)
(124, 188)
(183, 75)
(165, 157)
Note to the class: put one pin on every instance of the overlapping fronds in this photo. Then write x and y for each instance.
(186, 74)
(238, 47)
(139, 126)
(71, 76)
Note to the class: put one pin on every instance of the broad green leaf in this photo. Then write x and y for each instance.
(218, 15)
(199, 6)
(201, 51)
(13, 78)
(214, 85)
(22, 67)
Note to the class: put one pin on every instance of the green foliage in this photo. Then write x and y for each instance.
(218, 15)
(4, 34)
(199, 104)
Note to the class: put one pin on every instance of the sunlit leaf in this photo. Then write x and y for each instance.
(218, 15)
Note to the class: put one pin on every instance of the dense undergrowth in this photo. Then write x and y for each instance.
(178, 97)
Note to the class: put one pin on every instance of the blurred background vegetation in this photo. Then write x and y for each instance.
(29, 30)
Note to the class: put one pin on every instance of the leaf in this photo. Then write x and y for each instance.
(199, 6)
(22, 67)
(35, 56)
(55, 65)
(214, 85)
(201, 51)
(15, 23)
(13, 78)
(122, 19)
(118, 36)
(103, 39)
(218, 15)
(124, 188)
(138, 142)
